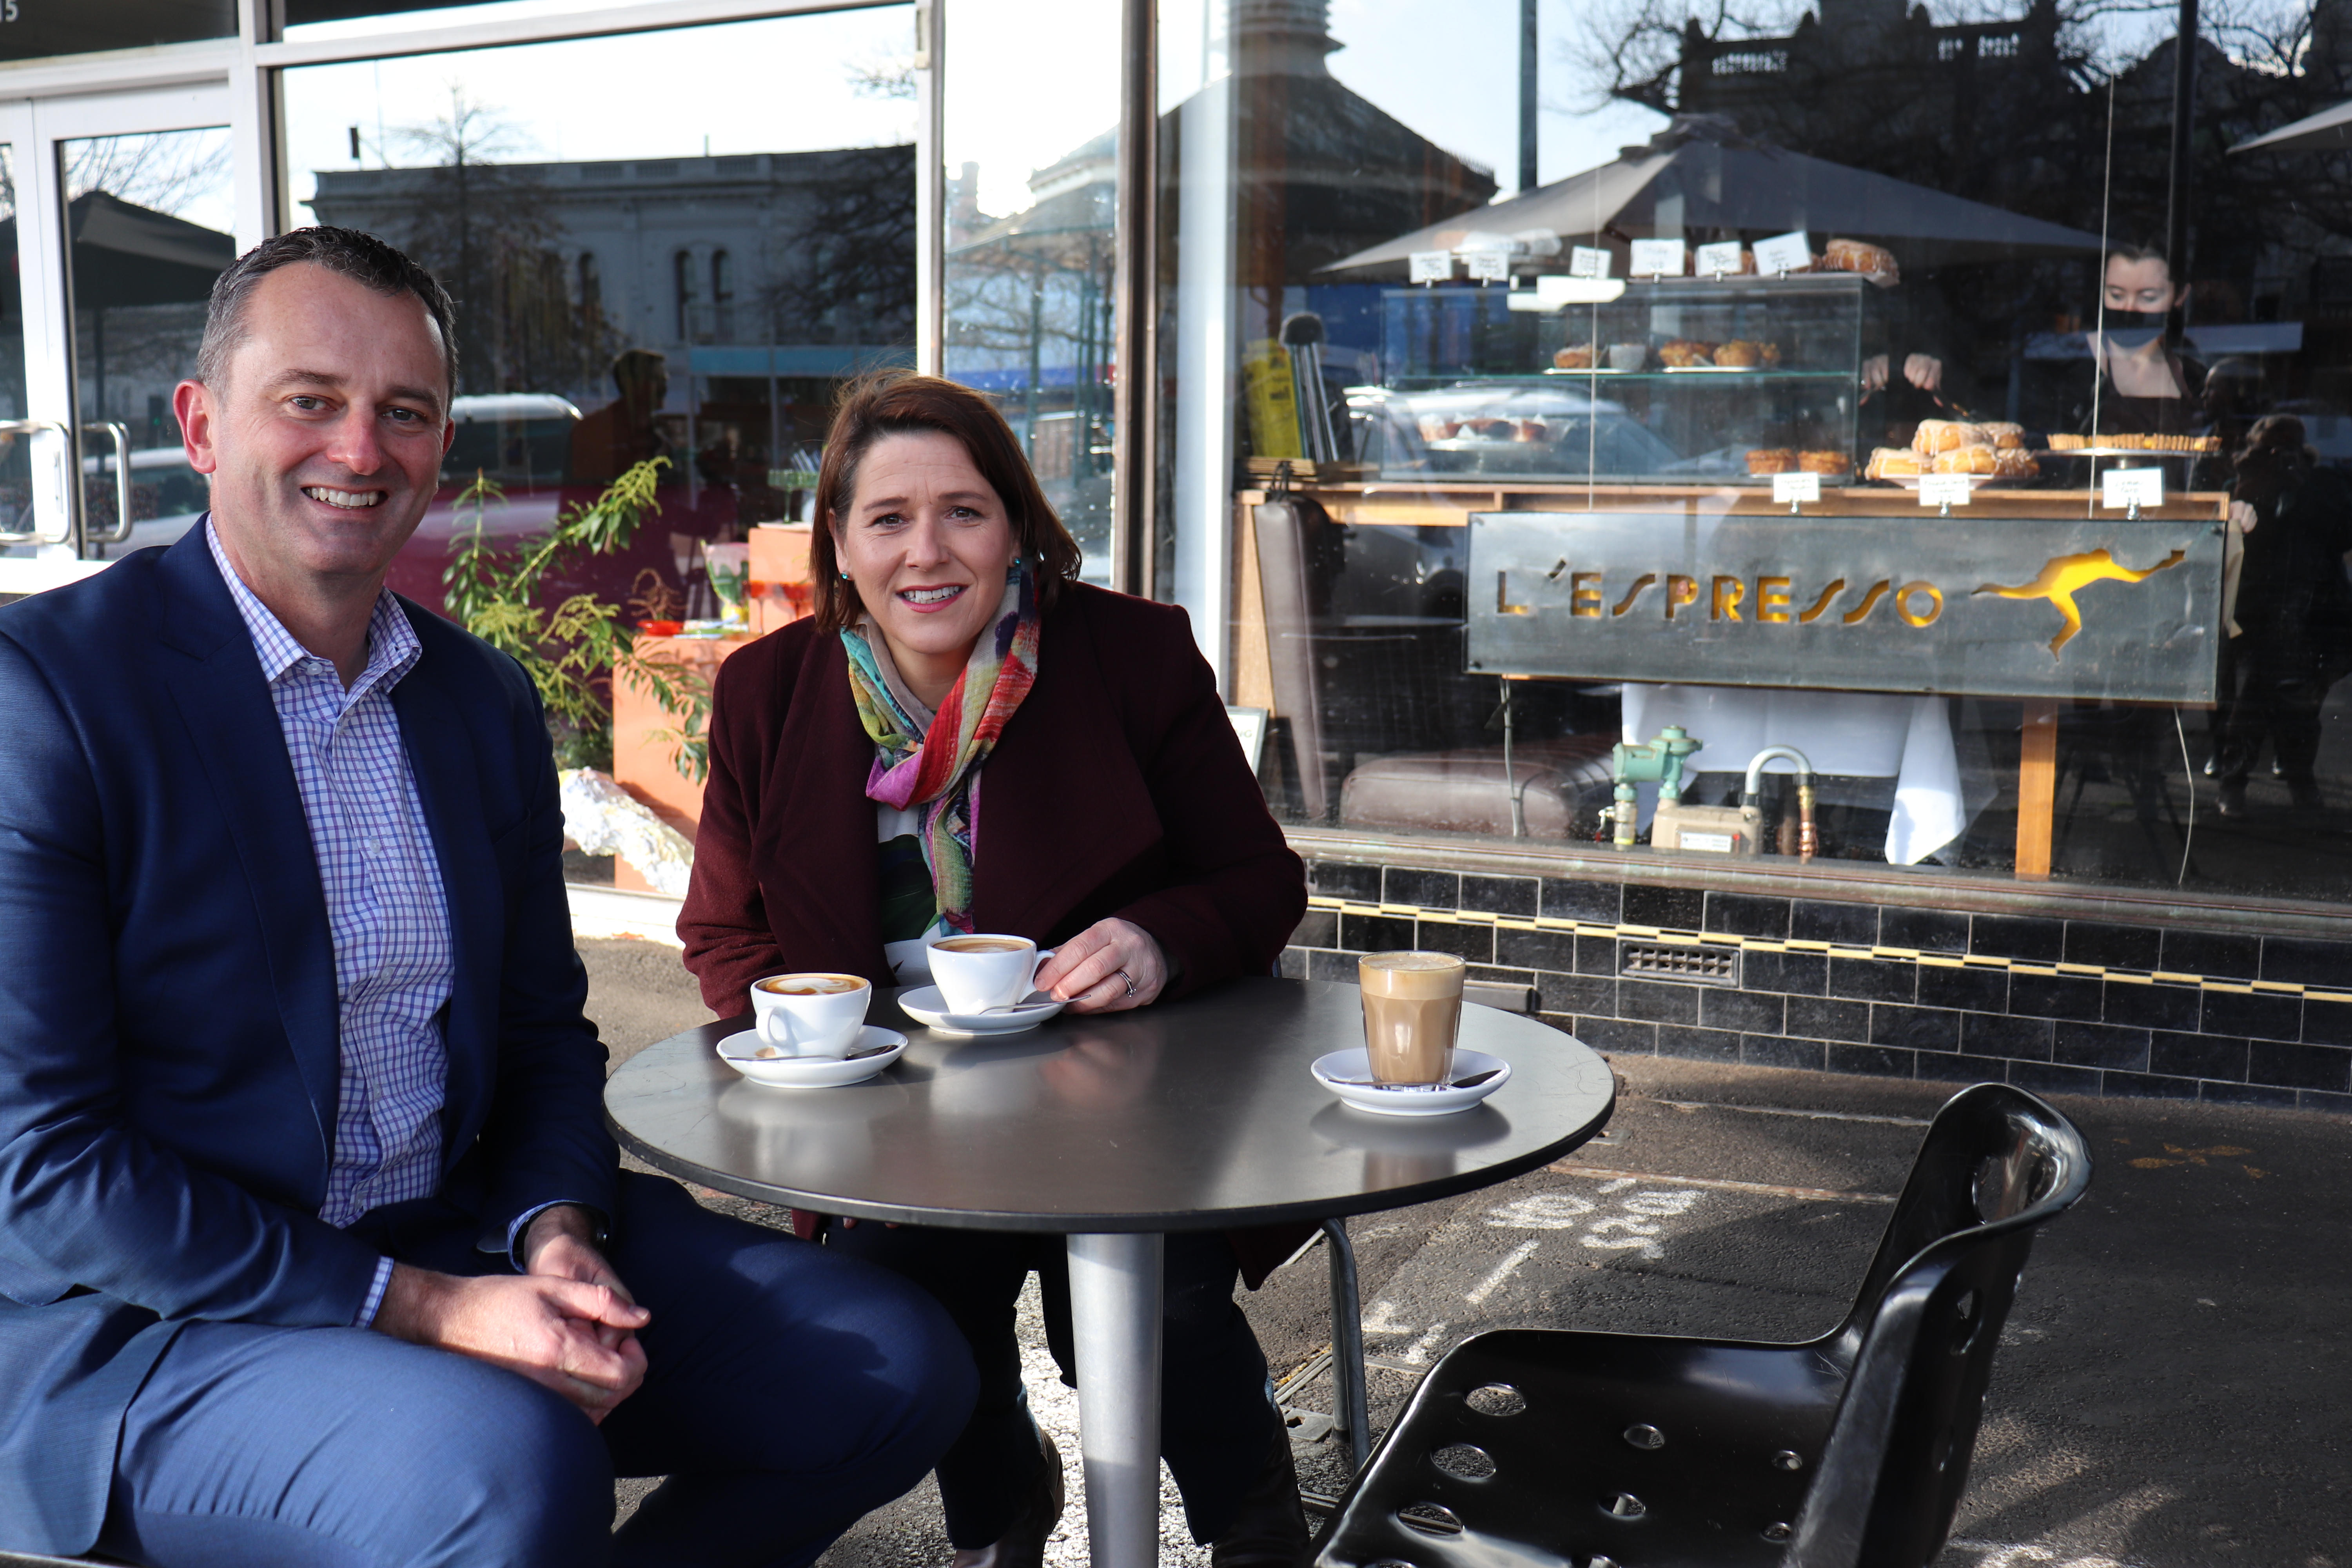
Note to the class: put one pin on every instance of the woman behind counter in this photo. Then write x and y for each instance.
(964, 737)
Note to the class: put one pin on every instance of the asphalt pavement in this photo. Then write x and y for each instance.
(2169, 1392)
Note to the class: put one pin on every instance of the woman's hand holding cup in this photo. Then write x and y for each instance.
(1108, 967)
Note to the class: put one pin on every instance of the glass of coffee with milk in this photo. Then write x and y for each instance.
(1412, 1010)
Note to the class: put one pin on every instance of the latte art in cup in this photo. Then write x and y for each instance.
(810, 1015)
(811, 984)
(982, 944)
(976, 970)
(1412, 1010)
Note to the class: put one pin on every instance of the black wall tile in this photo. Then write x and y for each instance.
(1915, 1028)
(1320, 927)
(1429, 889)
(2197, 1056)
(2306, 960)
(1617, 1035)
(1476, 943)
(2220, 955)
(1341, 879)
(2247, 1094)
(1874, 980)
(2100, 1045)
(2266, 1014)
(1596, 955)
(1293, 964)
(1500, 895)
(1929, 930)
(1878, 1061)
(2299, 1067)
(1750, 1012)
(1553, 949)
(1811, 919)
(1700, 1045)
(1995, 1034)
(1561, 899)
(2153, 1007)
(2018, 936)
(2056, 996)
(1375, 933)
(1956, 1069)
(1338, 966)
(1503, 976)
(1976, 990)
(1777, 1051)
(1823, 1019)
(1658, 1001)
(1745, 914)
(2326, 1023)
(1802, 973)
(1576, 994)
(2042, 1078)
(2147, 1086)
(1668, 908)
(2314, 1100)
(2117, 946)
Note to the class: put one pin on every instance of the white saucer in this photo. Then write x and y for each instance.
(928, 1007)
(1328, 1070)
(812, 1072)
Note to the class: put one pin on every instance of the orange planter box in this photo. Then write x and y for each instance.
(643, 760)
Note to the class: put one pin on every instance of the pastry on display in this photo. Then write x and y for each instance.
(2013, 463)
(1435, 428)
(2067, 443)
(1982, 461)
(1935, 435)
(1772, 460)
(1529, 430)
(1575, 356)
(1854, 256)
(2005, 436)
(1894, 463)
(1825, 462)
(1740, 353)
(1685, 353)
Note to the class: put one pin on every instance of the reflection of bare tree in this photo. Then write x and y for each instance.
(168, 171)
(853, 281)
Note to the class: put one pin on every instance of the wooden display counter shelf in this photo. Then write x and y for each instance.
(1448, 504)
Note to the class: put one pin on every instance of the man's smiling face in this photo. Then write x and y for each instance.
(324, 446)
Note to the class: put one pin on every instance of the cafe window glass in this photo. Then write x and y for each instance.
(1865, 390)
(35, 29)
(654, 255)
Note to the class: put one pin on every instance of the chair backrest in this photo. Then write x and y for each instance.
(1997, 1162)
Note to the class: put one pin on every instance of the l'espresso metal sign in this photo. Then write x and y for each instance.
(1983, 606)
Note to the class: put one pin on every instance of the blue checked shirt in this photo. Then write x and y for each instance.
(386, 910)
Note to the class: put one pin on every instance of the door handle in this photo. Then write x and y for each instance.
(121, 528)
(34, 428)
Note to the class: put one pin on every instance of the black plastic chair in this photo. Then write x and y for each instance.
(1592, 1450)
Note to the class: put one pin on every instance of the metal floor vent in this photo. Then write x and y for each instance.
(1699, 965)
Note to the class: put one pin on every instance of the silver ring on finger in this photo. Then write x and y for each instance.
(1123, 974)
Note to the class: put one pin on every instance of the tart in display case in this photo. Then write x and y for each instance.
(1675, 381)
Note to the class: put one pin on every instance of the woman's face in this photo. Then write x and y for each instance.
(2144, 287)
(927, 542)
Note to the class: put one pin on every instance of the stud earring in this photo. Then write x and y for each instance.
(845, 576)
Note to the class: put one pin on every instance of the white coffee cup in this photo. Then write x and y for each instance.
(1628, 356)
(979, 970)
(812, 1014)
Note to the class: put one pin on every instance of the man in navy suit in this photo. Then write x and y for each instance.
(313, 1249)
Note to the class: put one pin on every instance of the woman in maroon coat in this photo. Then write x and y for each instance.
(965, 737)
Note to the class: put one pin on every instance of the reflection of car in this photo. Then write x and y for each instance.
(514, 438)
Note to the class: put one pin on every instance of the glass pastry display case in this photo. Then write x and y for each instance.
(1675, 381)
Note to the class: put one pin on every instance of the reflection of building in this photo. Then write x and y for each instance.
(790, 266)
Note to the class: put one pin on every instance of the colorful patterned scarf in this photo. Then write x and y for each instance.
(939, 773)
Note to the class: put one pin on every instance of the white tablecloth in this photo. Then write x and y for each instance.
(1907, 739)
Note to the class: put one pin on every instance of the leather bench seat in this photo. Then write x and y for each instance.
(1562, 785)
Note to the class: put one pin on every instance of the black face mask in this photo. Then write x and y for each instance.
(2125, 320)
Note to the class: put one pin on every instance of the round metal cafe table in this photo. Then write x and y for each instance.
(1113, 1130)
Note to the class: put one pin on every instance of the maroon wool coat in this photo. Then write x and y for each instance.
(1117, 789)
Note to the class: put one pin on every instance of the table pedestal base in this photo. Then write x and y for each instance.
(1115, 1311)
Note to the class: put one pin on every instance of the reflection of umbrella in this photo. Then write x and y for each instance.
(2329, 131)
(127, 255)
(1700, 174)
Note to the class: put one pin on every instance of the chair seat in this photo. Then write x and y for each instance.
(1560, 784)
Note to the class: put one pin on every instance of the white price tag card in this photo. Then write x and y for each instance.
(1657, 259)
(1432, 265)
(2124, 488)
(1790, 488)
(1487, 266)
(1718, 259)
(1943, 489)
(1583, 261)
(1784, 253)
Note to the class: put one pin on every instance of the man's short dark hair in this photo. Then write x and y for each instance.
(347, 252)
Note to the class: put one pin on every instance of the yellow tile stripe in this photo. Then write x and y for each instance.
(1559, 926)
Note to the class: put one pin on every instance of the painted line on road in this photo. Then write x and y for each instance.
(1478, 1293)
(1792, 1110)
(1823, 1195)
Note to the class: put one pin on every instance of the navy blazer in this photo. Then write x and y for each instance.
(169, 1027)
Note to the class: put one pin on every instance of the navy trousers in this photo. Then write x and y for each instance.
(787, 1392)
(1217, 1419)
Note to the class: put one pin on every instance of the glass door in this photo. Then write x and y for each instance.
(124, 207)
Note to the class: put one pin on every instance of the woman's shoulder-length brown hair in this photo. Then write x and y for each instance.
(901, 403)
